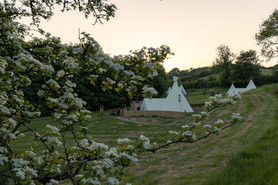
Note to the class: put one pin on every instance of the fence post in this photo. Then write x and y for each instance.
(101, 110)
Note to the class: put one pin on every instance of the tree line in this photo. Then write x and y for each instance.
(227, 68)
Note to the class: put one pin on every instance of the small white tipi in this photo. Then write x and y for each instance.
(251, 85)
(183, 90)
(169, 89)
(234, 90)
(175, 101)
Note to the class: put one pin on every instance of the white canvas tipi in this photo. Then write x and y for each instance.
(169, 89)
(234, 90)
(175, 101)
(251, 85)
(183, 90)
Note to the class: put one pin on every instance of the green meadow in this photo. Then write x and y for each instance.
(199, 96)
(246, 153)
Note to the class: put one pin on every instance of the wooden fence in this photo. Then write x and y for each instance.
(166, 114)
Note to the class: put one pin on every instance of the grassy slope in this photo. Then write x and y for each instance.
(196, 163)
(200, 162)
(257, 163)
(199, 96)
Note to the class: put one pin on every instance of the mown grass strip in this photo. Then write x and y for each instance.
(256, 164)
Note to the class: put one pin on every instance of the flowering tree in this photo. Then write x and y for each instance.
(267, 36)
(67, 151)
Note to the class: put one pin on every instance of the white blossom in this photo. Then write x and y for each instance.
(60, 73)
(52, 100)
(187, 133)
(204, 113)
(218, 95)
(96, 145)
(196, 116)
(53, 129)
(18, 163)
(113, 181)
(128, 156)
(196, 124)
(57, 115)
(12, 121)
(70, 83)
(19, 173)
(52, 182)
(112, 152)
(146, 145)
(236, 116)
(4, 109)
(125, 140)
(98, 170)
(54, 140)
(143, 138)
(207, 126)
(3, 159)
(147, 89)
(79, 102)
(53, 84)
(40, 93)
(185, 126)
(4, 130)
(93, 181)
(220, 121)
(84, 143)
(48, 68)
(12, 136)
(216, 129)
(173, 132)
(31, 171)
(107, 163)
(79, 176)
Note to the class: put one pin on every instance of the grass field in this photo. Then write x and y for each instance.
(199, 96)
(245, 153)
(266, 71)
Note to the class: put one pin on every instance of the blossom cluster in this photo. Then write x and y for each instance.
(218, 101)
(197, 130)
(149, 91)
(65, 149)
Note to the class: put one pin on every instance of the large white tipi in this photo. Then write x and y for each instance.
(175, 101)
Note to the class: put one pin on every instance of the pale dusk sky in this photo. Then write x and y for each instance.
(193, 29)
